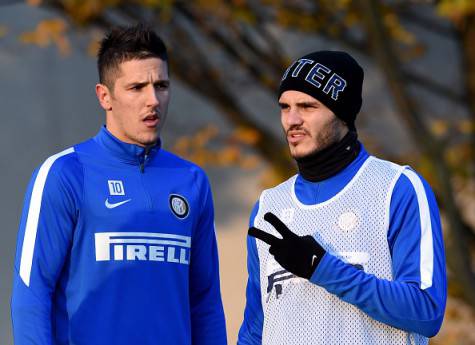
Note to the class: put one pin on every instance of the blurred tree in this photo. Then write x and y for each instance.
(220, 46)
(458, 251)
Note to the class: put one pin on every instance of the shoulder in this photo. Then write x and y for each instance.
(71, 161)
(171, 160)
(184, 169)
(412, 194)
(410, 182)
(408, 185)
(383, 166)
(285, 185)
(58, 178)
(63, 164)
(267, 195)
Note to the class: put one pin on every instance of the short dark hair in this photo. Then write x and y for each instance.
(124, 44)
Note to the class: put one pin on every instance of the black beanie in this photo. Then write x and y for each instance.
(332, 77)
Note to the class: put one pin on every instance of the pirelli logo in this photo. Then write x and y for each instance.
(145, 246)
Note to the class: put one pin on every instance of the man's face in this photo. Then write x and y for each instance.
(137, 107)
(308, 124)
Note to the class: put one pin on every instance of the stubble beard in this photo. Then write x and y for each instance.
(144, 139)
(147, 140)
(323, 139)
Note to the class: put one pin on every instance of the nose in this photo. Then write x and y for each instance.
(292, 117)
(152, 97)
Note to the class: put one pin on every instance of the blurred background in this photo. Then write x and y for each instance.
(226, 60)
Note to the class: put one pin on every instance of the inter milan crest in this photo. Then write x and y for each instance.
(179, 206)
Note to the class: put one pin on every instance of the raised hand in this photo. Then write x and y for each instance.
(299, 255)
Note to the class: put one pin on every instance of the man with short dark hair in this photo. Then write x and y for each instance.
(349, 250)
(117, 242)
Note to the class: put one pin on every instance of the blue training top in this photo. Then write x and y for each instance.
(117, 245)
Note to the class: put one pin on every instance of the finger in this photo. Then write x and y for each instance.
(275, 248)
(262, 235)
(278, 225)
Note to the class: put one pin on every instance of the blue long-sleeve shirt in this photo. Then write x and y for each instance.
(405, 302)
(116, 245)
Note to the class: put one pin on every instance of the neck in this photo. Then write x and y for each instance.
(326, 163)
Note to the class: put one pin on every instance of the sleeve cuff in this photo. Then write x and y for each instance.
(324, 269)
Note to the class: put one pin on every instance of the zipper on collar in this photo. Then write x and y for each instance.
(143, 159)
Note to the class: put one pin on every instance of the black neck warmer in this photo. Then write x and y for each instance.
(323, 164)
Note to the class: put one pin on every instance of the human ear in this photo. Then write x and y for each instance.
(104, 96)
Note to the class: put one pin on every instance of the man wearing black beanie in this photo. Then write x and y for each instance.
(349, 250)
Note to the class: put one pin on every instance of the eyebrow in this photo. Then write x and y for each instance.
(303, 103)
(143, 83)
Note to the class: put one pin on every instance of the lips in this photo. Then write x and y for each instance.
(294, 137)
(151, 121)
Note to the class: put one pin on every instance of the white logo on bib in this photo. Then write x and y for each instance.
(347, 221)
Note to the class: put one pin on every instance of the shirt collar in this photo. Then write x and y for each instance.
(131, 153)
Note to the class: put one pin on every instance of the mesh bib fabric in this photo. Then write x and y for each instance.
(353, 226)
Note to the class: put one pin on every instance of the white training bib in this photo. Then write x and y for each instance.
(353, 226)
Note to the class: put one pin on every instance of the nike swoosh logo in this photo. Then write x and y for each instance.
(109, 205)
(313, 259)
